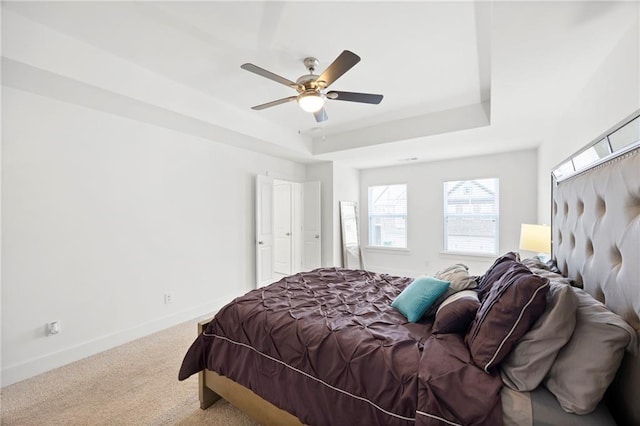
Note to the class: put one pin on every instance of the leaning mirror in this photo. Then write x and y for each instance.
(351, 254)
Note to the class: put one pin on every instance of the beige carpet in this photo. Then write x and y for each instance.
(133, 384)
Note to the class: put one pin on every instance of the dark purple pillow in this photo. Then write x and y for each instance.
(495, 271)
(456, 313)
(514, 302)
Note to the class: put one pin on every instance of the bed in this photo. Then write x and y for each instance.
(326, 347)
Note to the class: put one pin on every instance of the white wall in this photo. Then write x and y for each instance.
(102, 215)
(610, 95)
(517, 172)
(338, 183)
(323, 172)
(346, 187)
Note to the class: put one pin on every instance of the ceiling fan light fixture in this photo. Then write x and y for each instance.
(311, 101)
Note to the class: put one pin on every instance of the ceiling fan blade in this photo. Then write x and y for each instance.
(274, 103)
(268, 74)
(341, 65)
(320, 115)
(365, 98)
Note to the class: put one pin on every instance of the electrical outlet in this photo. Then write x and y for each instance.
(168, 298)
(53, 327)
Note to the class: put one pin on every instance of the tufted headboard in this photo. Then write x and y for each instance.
(596, 242)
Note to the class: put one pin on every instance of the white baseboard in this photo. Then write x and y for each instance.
(34, 366)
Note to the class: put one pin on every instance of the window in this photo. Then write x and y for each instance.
(471, 216)
(388, 216)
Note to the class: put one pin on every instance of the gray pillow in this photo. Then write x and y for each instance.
(458, 276)
(586, 366)
(532, 357)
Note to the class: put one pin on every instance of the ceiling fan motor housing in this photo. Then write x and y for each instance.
(308, 81)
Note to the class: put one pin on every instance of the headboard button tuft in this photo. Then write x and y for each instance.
(633, 206)
(589, 248)
(601, 206)
(616, 256)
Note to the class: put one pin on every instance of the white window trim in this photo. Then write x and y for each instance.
(455, 253)
(387, 249)
(467, 254)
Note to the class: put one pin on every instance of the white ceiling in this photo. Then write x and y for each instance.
(458, 78)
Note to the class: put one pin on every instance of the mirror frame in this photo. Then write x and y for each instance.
(348, 249)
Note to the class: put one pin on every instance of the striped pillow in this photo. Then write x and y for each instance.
(516, 300)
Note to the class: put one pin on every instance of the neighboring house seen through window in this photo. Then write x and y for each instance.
(471, 213)
(388, 216)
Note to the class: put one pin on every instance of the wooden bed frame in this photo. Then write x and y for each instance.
(623, 393)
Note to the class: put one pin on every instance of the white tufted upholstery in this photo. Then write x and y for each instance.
(596, 233)
(596, 242)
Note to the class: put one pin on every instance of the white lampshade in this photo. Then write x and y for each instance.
(311, 101)
(536, 238)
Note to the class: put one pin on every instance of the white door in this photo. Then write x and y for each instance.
(297, 228)
(311, 224)
(264, 230)
(282, 227)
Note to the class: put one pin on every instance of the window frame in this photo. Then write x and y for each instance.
(370, 245)
(496, 215)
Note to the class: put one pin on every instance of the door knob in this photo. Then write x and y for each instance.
(287, 234)
(260, 242)
(317, 236)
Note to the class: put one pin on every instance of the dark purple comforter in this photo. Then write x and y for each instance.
(327, 347)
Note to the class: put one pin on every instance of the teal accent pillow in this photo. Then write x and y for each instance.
(414, 300)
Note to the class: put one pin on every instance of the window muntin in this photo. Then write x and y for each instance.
(388, 216)
(471, 216)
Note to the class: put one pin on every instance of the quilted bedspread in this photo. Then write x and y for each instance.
(327, 347)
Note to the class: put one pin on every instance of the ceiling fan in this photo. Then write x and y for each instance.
(311, 88)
